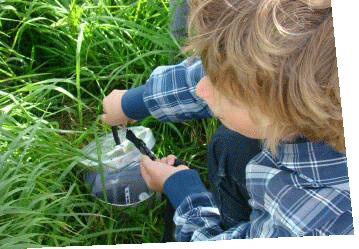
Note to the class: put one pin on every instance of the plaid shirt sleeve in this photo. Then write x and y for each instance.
(303, 193)
(170, 92)
(198, 219)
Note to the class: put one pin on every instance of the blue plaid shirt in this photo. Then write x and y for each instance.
(302, 191)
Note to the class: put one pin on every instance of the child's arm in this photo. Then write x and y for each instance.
(170, 92)
(198, 219)
(168, 95)
(196, 213)
(285, 202)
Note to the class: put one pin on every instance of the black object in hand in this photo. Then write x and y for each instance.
(179, 162)
(115, 135)
(142, 147)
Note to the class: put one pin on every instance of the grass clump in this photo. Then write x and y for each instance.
(58, 59)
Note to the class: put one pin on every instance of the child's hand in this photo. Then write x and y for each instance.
(155, 173)
(113, 114)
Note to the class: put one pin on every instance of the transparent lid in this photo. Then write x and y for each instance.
(114, 156)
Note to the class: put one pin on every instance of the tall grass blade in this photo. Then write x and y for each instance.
(78, 71)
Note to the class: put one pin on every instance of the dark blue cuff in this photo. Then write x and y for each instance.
(182, 184)
(133, 105)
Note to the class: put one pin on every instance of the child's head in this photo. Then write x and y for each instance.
(233, 114)
(278, 58)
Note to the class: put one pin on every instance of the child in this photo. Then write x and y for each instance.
(277, 166)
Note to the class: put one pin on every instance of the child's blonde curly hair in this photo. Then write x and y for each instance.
(277, 56)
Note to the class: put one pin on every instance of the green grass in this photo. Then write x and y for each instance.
(58, 59)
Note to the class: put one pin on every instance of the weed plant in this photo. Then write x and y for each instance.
(58, 59)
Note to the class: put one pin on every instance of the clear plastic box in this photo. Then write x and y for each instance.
(124, 183)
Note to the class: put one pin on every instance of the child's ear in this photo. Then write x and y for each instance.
(203, 88)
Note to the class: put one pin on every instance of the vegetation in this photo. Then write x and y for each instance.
(58, 59)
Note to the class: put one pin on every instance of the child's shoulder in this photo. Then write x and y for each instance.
(299, 165)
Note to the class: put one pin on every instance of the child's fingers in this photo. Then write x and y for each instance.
(144, 172)
(155, 173)
(105, 104)
(108, 120)
(112, 109)
(103, 118)
(170, 160)
(150, 171)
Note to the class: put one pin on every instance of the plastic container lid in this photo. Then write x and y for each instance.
(124, 184)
